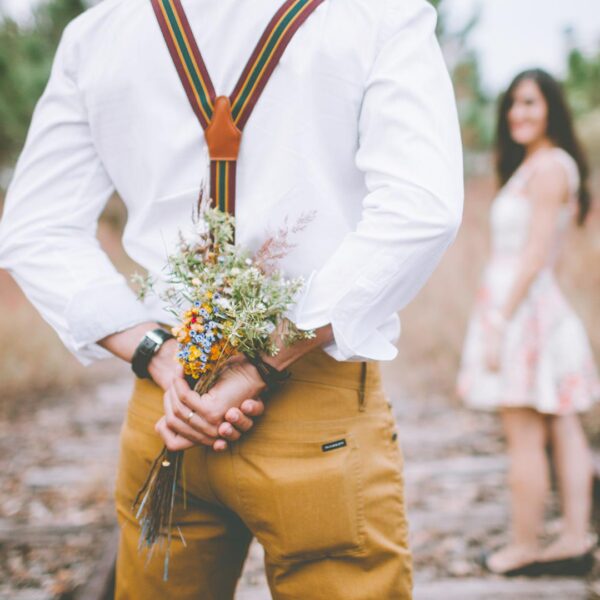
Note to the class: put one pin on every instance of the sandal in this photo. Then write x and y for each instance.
(572, 566)
(530, 569)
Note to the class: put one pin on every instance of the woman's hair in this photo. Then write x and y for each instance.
(560, 130)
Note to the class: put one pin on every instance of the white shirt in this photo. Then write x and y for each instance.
(357, 123)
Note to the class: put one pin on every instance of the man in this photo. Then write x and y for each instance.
(356, 126)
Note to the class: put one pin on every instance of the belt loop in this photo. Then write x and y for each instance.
(361, 389)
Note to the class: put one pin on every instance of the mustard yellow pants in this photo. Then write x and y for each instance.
(318, 481)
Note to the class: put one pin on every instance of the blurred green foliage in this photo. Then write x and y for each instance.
(583, 77)
(26, 53)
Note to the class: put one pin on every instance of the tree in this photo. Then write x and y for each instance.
(26, 54)
(582, 82)
(474, 105)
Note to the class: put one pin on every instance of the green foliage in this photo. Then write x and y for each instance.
(26, 54)
(474, 105)
(582, 82)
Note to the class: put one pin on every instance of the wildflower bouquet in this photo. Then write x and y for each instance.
(226, 302)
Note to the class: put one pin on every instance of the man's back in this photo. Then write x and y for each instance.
(354, 121)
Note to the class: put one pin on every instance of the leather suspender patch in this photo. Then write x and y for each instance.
(223, 117)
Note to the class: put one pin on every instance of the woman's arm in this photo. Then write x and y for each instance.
(547, 191)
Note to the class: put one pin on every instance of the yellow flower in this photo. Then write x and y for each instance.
(194, 352)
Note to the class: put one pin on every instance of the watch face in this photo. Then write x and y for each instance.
(148, 346)
(154, 337)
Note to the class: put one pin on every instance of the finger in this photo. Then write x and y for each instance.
(185, 402)
(220, 446)
(183, 426)
(229, 432)
(238, 419)
(172, 441)
(253, 408)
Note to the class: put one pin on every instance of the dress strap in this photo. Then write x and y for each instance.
(223, 117)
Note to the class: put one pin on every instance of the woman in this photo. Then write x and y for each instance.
(526, 353)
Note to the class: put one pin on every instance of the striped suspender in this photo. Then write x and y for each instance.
(223, 117)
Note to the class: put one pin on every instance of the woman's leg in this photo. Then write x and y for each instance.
(526, 434)
(573, 461)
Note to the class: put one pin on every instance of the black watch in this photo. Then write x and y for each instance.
(147, 348)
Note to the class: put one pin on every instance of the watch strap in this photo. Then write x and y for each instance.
(269, 374)
(146, 349)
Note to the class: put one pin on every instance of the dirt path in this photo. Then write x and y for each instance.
(56, 509)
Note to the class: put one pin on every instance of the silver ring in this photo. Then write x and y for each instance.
(189, 417)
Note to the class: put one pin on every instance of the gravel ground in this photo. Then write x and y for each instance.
(56, 512)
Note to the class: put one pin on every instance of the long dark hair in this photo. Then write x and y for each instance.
(560, 130)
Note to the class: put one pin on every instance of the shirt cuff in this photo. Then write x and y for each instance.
(353, 340)
(95, 312)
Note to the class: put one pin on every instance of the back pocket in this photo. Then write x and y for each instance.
(302, 497)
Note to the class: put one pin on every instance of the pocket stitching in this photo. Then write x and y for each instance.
(357, 549)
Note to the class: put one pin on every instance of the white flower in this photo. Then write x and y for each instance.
(223, 302)
(248, 261)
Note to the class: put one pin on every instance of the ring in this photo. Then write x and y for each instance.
(189, 417)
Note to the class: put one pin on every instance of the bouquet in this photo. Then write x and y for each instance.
(226, 302)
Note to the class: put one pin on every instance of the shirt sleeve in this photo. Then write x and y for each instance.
(48, 231)
(410, 154)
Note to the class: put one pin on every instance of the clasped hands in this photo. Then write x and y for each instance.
(215, 418)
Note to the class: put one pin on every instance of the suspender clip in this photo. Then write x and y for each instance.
(222, 136)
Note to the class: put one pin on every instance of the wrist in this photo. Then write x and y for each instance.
(269, 376)
(147, 349)
(287, 355)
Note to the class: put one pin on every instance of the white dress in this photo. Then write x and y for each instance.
(546, 359)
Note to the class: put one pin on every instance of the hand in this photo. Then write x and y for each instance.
(192, 419)
(493, 349)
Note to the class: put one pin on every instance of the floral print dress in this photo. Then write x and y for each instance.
(546, 359)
